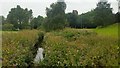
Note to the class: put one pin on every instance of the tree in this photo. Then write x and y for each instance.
(36, 22)
(117, 17)
(55, 16)
(103, 14)
(72, 19)
(86, 20)
(19, 17)
(2, 20)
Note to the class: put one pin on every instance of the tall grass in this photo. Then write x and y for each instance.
(68, 47)
(0, 49)
(16, 47)
(74, 47)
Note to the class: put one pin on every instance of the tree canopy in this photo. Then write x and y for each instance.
(103, 14)
(72, 19)
(36, 22)
(86, 20)
(117, 17)
(19, 17)
(55, 16)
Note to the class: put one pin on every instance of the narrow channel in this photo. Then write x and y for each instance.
(38, 50)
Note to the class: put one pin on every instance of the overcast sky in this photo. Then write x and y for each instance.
(38, 6)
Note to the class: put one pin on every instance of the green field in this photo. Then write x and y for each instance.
(68, 47)
(81, 47)
(111, 30)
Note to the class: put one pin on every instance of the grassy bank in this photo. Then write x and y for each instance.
(16, 47)
(111, 30)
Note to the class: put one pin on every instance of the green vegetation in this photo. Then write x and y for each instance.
(111, 30)
(63, 46)
(86, 20)
(19, 17)
(117, 17)
(79, 47)
(0, 49)
(68, 47)
(55, 17)
(8, 27)
(72, 19)
(37, 22)
(103, 14)
(17, 47)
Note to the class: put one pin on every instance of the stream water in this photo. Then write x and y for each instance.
(39, 55)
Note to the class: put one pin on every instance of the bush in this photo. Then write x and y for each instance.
(8, 27)
(41, 37)
(70, 36)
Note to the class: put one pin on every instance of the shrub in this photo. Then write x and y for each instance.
(8, 27)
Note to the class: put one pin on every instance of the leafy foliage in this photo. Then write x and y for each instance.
(103, 14)
(19, 17)
(72, 19)
(7, 27)
(86, 20)
(55, 16)
(88, 49)
(117, 17)
(2, 19)
(37, 22)
(17, 47)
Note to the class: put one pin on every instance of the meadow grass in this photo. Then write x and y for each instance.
(111, 30)
(79, 47)
(17, 47)
(0, 49)
(67, 47)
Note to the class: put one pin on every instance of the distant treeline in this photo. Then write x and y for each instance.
(19, 18)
